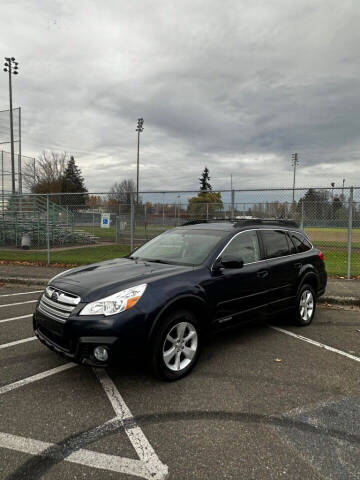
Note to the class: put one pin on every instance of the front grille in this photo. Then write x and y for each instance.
(57, 304)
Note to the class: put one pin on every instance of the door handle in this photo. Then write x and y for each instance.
(263, 273)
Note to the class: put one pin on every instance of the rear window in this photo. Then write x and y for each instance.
(275, 243)
(300, 242)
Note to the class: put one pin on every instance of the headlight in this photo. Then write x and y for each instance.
(115, 303)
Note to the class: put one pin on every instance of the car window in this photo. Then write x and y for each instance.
(244, 246)
(276, 243)
(301, 243)
(183, 246)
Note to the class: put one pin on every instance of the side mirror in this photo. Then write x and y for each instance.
(230, 261)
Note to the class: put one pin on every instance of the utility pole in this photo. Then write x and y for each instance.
(11, 67)
(139, 129)
(294, 162)
(342, 193)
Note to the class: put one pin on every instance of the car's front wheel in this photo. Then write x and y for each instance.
(176, 345)
(306, 305)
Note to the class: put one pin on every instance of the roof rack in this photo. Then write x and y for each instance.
(266, 221)
(247, 221)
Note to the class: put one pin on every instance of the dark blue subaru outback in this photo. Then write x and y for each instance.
(162, 298)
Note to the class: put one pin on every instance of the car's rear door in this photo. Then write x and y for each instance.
(283, 268)
(241, 291)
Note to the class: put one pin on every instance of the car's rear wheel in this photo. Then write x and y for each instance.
(306, 305)
(176, 345)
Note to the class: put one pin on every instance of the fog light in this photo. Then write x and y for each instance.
(101, 354)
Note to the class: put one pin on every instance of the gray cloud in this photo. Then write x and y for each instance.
(235, 85)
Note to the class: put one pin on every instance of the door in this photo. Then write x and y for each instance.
(283, 266)
(241, 291)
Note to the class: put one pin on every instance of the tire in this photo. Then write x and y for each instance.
(305, 305)
(171, 339)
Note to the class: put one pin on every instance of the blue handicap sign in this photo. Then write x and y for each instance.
(105, 221)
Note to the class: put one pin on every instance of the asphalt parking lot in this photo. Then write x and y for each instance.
(261, 404)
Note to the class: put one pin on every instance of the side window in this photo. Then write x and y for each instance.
(276, 243)
(245, 246)
(301, 243)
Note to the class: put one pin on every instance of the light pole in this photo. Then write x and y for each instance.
(342, 193)
(294, 163)
(332, 189)
(11, 67)
(139, 129)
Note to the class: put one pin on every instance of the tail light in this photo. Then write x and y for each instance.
(321, 256)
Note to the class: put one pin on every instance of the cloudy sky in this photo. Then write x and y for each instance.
(237, 85)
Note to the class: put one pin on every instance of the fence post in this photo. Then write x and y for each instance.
(302, 214)
(232, 203)
(48, 228)
(351, 198)
(2, 181)
(132, 221)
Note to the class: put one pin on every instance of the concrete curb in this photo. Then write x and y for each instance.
(336, 300)
(24, 281)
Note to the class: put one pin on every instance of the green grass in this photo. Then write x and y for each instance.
(336, 263)
(77, 256)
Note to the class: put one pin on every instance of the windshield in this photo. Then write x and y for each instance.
(180, 246)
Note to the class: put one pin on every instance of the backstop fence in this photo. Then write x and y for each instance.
(79, 228)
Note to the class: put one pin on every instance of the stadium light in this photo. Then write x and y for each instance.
(11, 67)
(139, 129)
(294, 163)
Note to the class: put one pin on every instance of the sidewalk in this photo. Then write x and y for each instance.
(345, 292)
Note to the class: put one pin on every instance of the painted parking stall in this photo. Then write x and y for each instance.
(246, 410)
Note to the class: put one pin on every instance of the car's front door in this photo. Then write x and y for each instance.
(241, 291)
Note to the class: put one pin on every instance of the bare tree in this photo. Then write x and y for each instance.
(48, 174)
(120, 195)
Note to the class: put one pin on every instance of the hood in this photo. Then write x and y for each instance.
(92, 282)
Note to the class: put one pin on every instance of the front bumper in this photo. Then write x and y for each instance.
(76, 338)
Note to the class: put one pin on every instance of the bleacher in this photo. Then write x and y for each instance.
(27, 214)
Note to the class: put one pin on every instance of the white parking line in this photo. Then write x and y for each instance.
(18, 303)
(88, 458)
(20, 293)
(15, 318)
(12, 344)
(156, 469)
(318, 344)
(35, 378)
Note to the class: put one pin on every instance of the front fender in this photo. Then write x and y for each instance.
(196, 301)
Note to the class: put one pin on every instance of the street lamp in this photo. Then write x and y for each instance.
(139, 129)
(294, 163)
(11, 67)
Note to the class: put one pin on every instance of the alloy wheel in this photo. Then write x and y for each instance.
(306, 305)
(180, 346)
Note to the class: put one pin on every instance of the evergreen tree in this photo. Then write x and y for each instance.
(73, 182)
(205, 181)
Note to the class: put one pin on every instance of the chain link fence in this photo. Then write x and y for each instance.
(85, 228)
